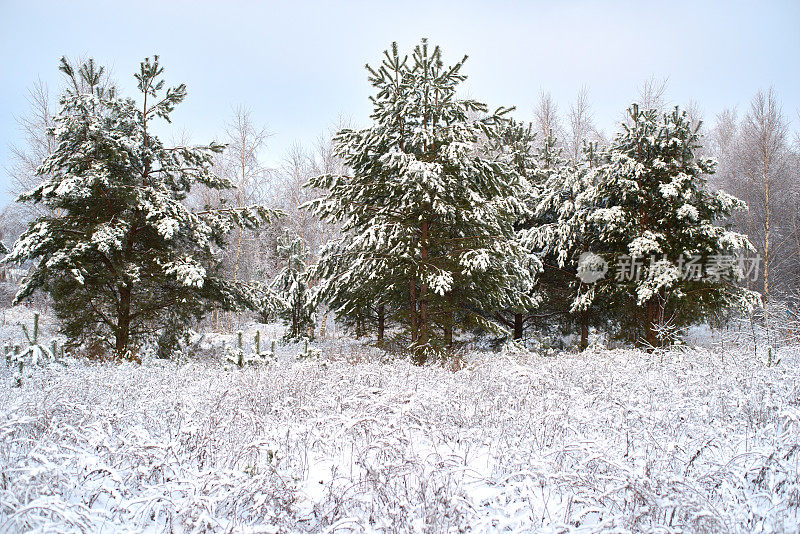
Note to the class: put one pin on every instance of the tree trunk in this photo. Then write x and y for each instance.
(519, 326)
(413, 310)
(652, 323)
(381, 322)
(123, 332)
(449, 325)
(423, 290)
(423, 315)
(450, 320)
(323, 329)
(767, 231)
(765, 147)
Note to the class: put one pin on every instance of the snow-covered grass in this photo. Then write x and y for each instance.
(604, 441)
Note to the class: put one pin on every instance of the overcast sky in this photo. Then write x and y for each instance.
(299, 65)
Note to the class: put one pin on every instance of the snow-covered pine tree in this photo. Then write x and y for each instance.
(292, 287)
(515, 145)
(654, 207)
(429, 218)
(563, 233)
(359, 301)
(119, 248)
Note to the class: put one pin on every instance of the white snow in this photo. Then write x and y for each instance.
(186, 271)
(682, 441)
(687, 211)
(646, 244)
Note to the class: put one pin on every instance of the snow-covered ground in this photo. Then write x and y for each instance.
(684, 441)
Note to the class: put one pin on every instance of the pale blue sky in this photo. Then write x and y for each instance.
(299, 65)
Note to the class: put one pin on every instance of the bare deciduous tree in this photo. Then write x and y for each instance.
(755, 164)
(581, 125)
(652, 93)
(37, 143)
(546, 119)
(722, 142)
(241, 164)
(764, 167)
(243, 168)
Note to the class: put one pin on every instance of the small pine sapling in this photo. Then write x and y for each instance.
(293, 288)
(34, 354)
(262, 357)
(309, 353)
(15, 358)
(236, 356)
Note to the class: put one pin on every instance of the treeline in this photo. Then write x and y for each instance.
(441, 218)
(459, 218)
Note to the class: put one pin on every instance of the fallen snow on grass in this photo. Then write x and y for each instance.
(604, 441)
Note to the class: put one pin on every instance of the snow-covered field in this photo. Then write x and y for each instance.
(603, 441)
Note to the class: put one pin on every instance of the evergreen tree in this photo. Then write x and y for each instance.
(656, 218)
(564, 234)
(515, 145)
(293, 289)
(118, 250)
(428, 217)
(551, 187)
(359, 299)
